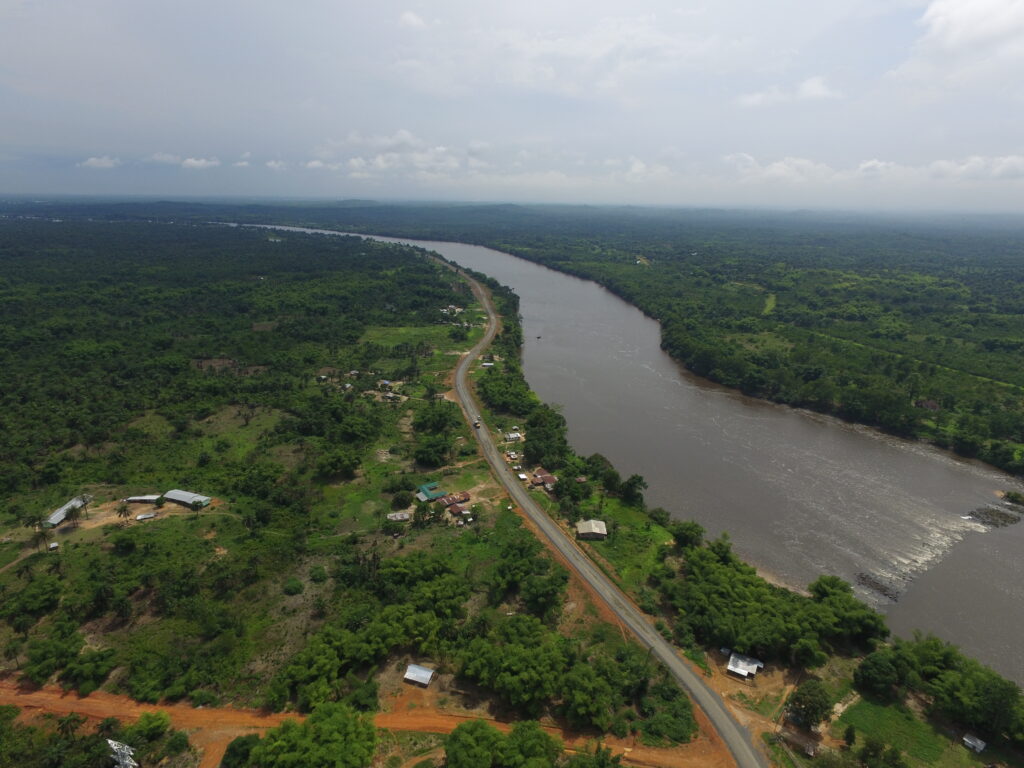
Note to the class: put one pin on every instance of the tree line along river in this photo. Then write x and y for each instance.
(800, 494)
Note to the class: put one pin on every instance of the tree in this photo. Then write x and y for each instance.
(810, 703)
(687, 533)
(633, 490)
(877, 675)
(123, 512)
(850, 736)
(475, 744)
(528, 746)
(334, 736)
(42, 536)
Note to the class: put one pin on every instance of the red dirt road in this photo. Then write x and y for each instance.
(212, 729)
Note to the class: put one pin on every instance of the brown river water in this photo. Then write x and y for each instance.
(800, 494)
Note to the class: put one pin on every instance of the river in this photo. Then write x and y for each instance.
(800, 494)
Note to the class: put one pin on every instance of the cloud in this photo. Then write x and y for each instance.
(410, 19)
(958, 26)
(164, 158)
(967, 44)
(321, 165)
(277, 165)
(102, 163)
(241, 164)
(811, 89)
(200, 163)
(965, 172)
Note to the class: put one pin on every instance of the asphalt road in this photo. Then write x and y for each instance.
(737, 739)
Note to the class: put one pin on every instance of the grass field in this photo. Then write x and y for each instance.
(922, 742)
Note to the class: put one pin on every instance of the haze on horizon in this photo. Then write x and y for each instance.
(906, 104)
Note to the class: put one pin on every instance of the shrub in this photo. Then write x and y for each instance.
(293, 586)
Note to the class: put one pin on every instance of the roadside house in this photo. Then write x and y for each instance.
(591, 529)
(744, 666)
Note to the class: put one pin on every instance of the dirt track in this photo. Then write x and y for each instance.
(212, 729)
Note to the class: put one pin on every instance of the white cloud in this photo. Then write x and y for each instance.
(241, 164)
(164, 158)
(958, 26)
(410, 19)
(967, 44)
(277, 165)
(811, 89)
(102, 163)
(200, 163)
(321, 165)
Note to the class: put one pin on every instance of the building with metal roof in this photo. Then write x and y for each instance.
(146, 516)
(187, 498)
(591, 529)
(414, 673)
(744, 666)
(151, 498)
(59, 515)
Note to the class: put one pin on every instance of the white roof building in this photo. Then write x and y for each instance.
(187, 498)
(744, 666)
(146, 516)
(414, 673)
(59, 515)
(591, 529)
(148, 499)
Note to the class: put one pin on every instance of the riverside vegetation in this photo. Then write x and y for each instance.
(249, 366)
(913, 325)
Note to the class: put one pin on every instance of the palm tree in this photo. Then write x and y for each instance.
(42, 536)
(123, 512)
(68, 725)
(74, 514)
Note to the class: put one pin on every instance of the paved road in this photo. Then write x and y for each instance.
(735, 737)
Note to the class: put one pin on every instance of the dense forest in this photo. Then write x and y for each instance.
(913, 325)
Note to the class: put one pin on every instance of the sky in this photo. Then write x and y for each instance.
(863, 104)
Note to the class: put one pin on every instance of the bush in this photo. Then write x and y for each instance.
(177, 743)
(318, 574)
(402, 500)
(293, 586)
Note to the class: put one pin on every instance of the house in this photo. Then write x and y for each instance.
(973, 742)
(744, 666)
(187, 498)
(521, 476)
(457, 510)
(429, 492)
(399, 517)
(453, 498)
(59, 515)
(591, 529)
(418, 675)
(513, 436)
(151, 498)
